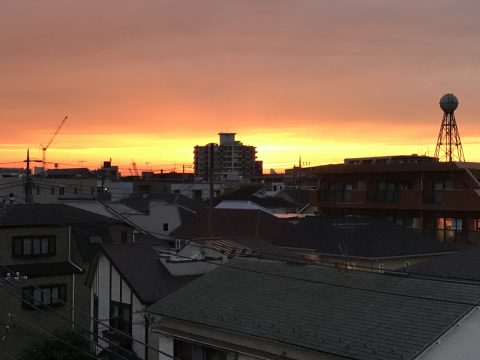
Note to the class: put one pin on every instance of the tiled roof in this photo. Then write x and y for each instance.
(49, 214)
(361, 237)
(83, 234)
(41, 269)
(232, 222)
(147, 276)
(246, 247)
(354, 314)
(461, 265)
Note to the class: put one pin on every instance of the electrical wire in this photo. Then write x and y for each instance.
(83, 314)
(52, 310)
(349, 287)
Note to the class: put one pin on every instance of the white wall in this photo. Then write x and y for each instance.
(106, 292)
(161, 213)
(460, 343)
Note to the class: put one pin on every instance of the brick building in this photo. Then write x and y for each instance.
(441, 198)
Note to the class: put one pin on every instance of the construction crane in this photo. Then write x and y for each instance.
(44, 148)
(134, 166)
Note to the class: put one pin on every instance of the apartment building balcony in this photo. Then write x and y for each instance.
(445, 200)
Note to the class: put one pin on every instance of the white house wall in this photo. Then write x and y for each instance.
(109, 285)
(460, 343)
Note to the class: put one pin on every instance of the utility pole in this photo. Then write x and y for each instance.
(210, 179)
(28, 181)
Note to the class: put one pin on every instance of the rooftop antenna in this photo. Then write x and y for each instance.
(449, 146)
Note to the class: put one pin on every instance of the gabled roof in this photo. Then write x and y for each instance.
(83, 233)
(49, 214)
(147, 277)
(360, 237)
(354, 314)
(233, 223)
(461, 265)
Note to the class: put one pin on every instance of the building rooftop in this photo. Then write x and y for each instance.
(351, 314)
(360, 237)
(463, 265)
(233, 223)
(49, 214)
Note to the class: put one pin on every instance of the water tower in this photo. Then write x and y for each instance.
(449, 145)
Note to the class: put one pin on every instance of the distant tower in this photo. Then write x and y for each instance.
(449, 145)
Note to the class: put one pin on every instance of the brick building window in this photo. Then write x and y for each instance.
(48, 295)
(449, 229)
(27, 246)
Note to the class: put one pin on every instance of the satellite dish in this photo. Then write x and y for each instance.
(448, 103)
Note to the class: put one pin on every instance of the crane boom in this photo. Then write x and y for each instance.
(44, 148)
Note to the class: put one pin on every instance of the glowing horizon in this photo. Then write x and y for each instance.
(148, 80)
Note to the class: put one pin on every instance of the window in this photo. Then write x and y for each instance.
(121, 316)
(75, 191)
(165, 226)
(33, 246)
(123, 236)
(52, 190)
(95, 239)
(189, 351)
(48, 295)
(449, 229)
(37, 189)
(61, 190)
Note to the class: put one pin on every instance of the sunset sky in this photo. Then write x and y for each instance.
(149, 79)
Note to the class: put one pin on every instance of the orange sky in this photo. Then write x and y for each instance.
(149, 79)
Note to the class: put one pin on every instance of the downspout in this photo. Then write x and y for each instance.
(73, 275)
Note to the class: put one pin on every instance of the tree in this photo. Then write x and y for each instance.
(56, 348)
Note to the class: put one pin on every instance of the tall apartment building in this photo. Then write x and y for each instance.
(231, 159)
(442, 198)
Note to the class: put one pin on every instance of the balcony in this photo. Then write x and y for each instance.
(445, 200)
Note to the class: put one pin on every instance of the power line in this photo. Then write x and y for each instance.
(81, 313)
(32, 304)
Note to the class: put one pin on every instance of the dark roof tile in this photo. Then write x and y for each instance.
(377, 316)
(361, 237)
(233, 223)
(49, 214)
(148, 277)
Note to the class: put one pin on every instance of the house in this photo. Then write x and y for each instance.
(52, 186)
(358, 242)
(121, 288)
(284, 311)
(157, 214)
(441, 198)
(52, 245)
